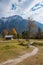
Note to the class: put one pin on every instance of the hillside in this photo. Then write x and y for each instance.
(16, 22)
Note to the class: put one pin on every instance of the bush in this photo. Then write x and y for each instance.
(35, 43)
(23, 44)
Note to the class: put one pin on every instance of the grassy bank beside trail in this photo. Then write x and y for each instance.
(10, 49)
(37, 59)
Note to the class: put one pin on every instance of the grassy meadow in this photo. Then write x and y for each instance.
(37, 59)
(10, 49)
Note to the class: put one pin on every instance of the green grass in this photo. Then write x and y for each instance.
(11, 49)
(37, 59)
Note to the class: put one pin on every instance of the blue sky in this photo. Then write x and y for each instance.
(24, 8)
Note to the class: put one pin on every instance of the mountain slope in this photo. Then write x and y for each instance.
(16, 22)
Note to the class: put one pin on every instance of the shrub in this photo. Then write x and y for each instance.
(37, 43)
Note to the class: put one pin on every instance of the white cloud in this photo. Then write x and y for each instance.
(23, 8)
(5, 7)
(37, 14)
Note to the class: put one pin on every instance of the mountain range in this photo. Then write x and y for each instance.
(16, 22)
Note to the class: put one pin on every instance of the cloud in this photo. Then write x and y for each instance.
(12, 7)
(24, 8)
(19, 0)
(3, 7)
(36, 7)
(35, 10)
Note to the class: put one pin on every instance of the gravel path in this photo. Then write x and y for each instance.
(21, 58)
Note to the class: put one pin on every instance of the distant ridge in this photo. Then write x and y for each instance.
(16, 22)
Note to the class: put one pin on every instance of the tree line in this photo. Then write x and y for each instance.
(33, 32)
